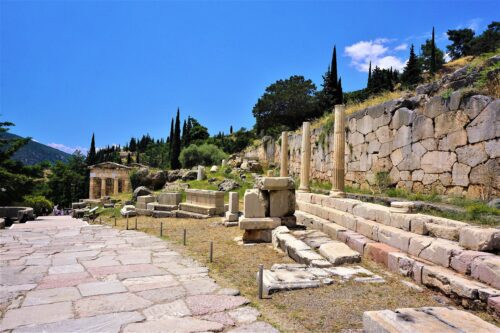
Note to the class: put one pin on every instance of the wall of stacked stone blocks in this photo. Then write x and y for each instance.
(426, 144)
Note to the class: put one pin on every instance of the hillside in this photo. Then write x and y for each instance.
(35, 152)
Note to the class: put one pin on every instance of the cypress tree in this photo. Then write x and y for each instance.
(369, 75)
(333, 70)
(433, 54)
(340, 94)
(231, 130)
(412, 71)
(137, 157)
(176, 143)
(171, 136)
(91, 156)
(129, 159)
(184, 134)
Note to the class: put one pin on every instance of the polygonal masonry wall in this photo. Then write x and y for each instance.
(425, 144)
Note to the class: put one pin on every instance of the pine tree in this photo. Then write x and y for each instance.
(433, 54)
(91, 156)
(176, 143)
(412, 71)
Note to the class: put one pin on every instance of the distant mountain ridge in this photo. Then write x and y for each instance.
(35, 152)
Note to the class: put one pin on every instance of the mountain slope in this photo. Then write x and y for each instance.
(34, 152)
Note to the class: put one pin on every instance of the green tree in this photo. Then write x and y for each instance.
(205, 154)
(488, 41)
(330, 95)
(176, 143)
(197, 133)
(285, 105)
(91, 156)
(129, 159)
(412, 71)
(68, 182)
(431, 57)
(461, 42)
(132, 146)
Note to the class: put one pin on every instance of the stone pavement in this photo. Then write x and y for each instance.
(59, 274)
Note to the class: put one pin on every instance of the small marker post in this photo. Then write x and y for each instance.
(115, 220)
(135, 223)
(211, 251)
(261, 280)
(161, 229)
(127, 221)
(184, 238)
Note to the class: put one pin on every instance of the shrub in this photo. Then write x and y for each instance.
(383, 181)
(205, 154)
(39, 203)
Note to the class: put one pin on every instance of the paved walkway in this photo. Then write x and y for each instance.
(63, 275)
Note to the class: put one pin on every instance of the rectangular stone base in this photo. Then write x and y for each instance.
(205, 210)
(231, 217)
(145, 212)
(257, 236)
(259, 223)
(163, 214)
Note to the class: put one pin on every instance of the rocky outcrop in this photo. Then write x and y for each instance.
(425, 142)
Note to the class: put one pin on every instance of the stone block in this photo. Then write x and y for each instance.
(480, 239)
(402, 116)
(394, 237)
(234, 202)
(460, 174)
(449, 122)
(472, 155)
(422, 128)
(487, 270)
(379, 252)
(492, 148)
(417, 244)
(442, 231)
(401, 221)
(169, 198)
(281, 203)
(485, 126)
(332, 229)
(275, 183)
(303, 196)
(257, 236)
(231, 217)
(494, 304)
(358, 242)
(342, 204)
(462, 263)
(453, 140)
(259, 223)
(367, 228)
(338, 253)
(437, 161)
(418, 224)
(255, 204)
(440, 252)
(275, 235)
(142, 201)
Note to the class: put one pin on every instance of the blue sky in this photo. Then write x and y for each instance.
(121, 69)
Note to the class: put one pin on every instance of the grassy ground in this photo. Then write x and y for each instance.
(325, 309)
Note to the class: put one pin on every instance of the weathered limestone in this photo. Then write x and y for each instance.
(338, 253)
(284, 155)
(339, 152)
(305, 151)
(480, 239)
(432, 319)
(269, 205)
(142, 201)
(233, 211)
(108, 178)
(169, 198)
(200, 175)
(204, 202)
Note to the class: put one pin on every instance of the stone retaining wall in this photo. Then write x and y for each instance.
(426, 144)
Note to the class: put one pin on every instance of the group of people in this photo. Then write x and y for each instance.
(58, 210)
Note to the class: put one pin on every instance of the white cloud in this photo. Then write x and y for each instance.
(66, 149)
(474, 24)
(377, 51)
(401, 47)
(447, 57)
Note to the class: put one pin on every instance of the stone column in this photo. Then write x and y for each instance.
(284, 154)
(305, 161)
(91, 188)
(126, 184)
(199, 175)
(234, 202)
(115, 185)
(338, 152)
(103, 187)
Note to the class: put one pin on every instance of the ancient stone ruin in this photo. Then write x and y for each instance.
(108, 178)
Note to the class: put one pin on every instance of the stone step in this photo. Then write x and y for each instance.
(428, 319)
(468, 236)
(199, 209)
(436, 250)
(463, 289)
(190, 215)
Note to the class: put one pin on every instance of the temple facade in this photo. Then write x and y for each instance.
(108, 178)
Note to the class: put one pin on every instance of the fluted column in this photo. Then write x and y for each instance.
(91, 188)
(305, 162)
(103, 187)
(338, 152)
(115, 185)
(284, 154)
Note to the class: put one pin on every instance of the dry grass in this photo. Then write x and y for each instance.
(326, 309)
